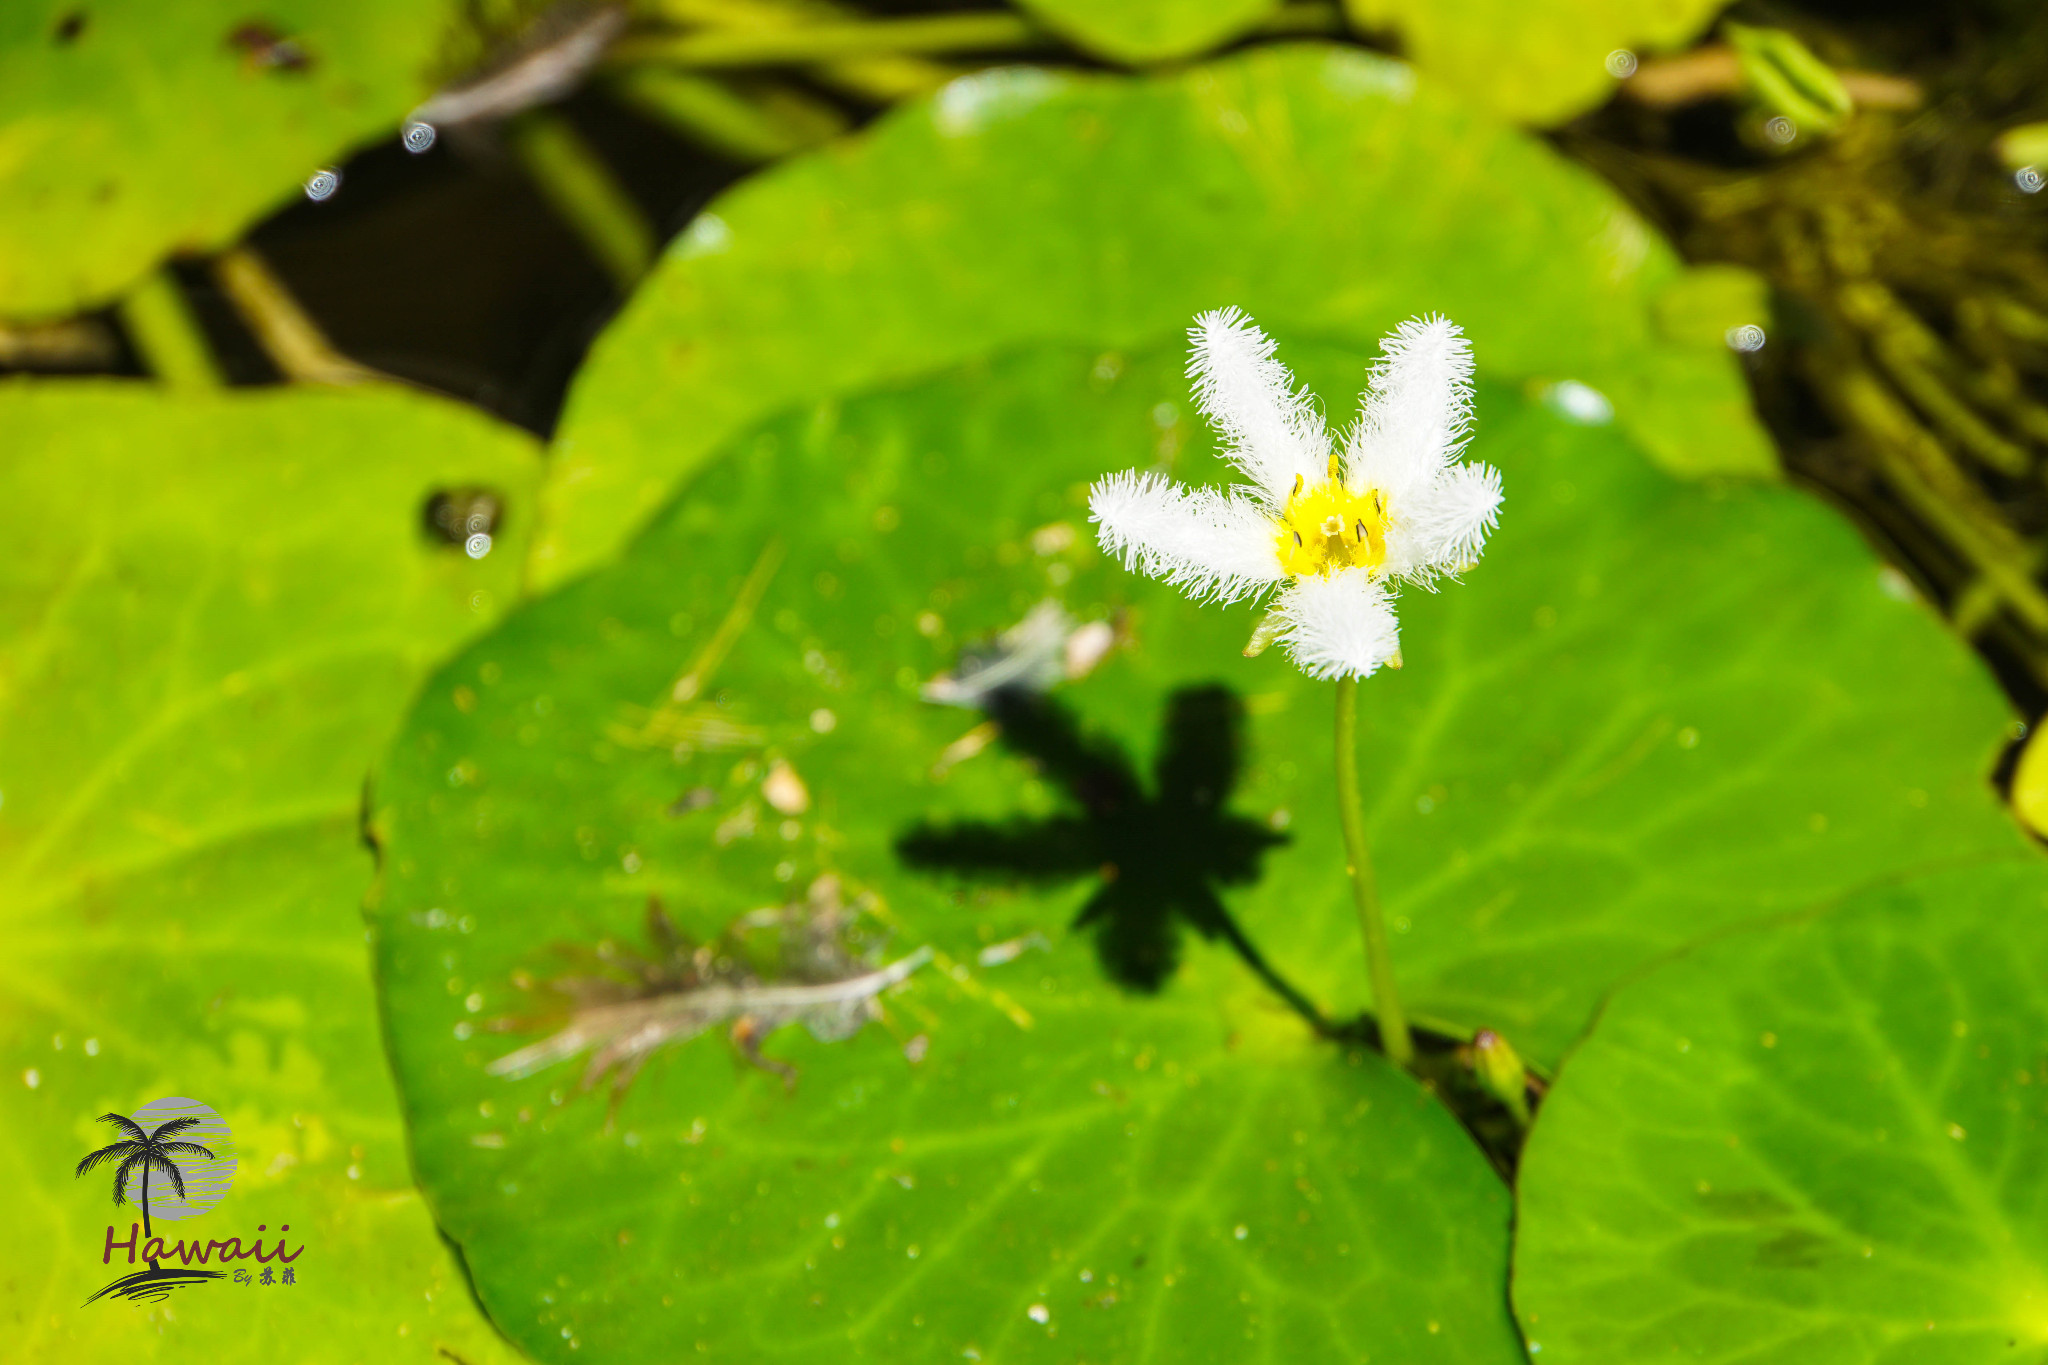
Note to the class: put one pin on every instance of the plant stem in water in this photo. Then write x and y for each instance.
(161, 326)
(1379, 964)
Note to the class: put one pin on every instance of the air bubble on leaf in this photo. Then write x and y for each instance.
(418, 136)
(1038, 1312)
(478, 545)
(971, 103)
(322, 184)
(707, 235)
(1580, 403)
(2029, 179)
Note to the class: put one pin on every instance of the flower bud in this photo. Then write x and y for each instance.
(1501, 1073)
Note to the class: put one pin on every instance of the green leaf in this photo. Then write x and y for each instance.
(1707, 302)
(2023, 146)
(1821, 1141)
(1617, 735)
(1540, 63)
(1140, 31)
(131, 130)
(1319, 188)
(1653, 710)
(211, 614)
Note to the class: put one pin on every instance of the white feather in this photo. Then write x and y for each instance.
(1271, 430)
(1211, 545)
(1340, 626)
(1417, 412)
(1441, 529)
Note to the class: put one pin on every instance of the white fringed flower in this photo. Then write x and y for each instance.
(1332, 532)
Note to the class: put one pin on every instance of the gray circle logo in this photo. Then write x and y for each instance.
(206, 1174)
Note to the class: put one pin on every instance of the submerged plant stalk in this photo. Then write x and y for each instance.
(1379, 965)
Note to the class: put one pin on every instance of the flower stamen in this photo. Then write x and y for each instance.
(1328, 527)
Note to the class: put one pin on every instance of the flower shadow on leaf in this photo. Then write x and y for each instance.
(1160, 857)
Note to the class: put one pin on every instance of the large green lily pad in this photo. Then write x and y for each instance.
(1539, 63)
(211, 613)
(1653, 710)
(1140, 31)
(132, 130)
(1821, 1141)
(1321, 188)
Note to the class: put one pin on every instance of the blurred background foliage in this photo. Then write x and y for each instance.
(1895, 248)
(455, 259)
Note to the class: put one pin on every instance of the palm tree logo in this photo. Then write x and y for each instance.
(158, 1166)
(145, 1151)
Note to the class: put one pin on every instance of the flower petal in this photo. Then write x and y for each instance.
(1340, 626)
(1417, 413)
(1206, 543)
(1272, 430)
(1443, 528)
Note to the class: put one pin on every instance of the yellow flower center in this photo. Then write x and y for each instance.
(1329, 527)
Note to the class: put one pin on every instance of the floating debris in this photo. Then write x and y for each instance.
(686, 721)
(1087, 647)
(550, 60)
(623, 1005)
(784, 790)
(1009, 950)
(264, 48)
(1042, 650)
(695, 799)
(741, 824)
(966, 747)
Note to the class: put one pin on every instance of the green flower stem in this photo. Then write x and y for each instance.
(751, 127)
(573, 178)
(285, 331)
(167, 336)
(1379, 964)
(796, 45)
